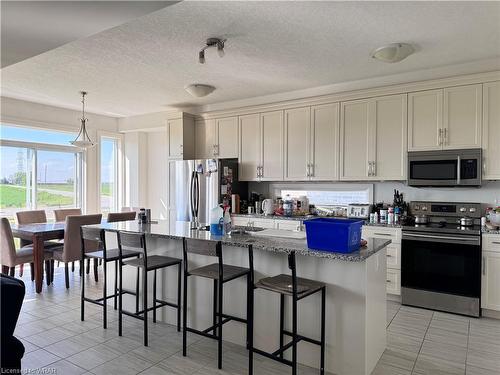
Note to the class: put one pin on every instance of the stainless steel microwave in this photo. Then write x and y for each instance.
(445, 167)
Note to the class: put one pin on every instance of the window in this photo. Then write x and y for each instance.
(37, 175)
(109, 189)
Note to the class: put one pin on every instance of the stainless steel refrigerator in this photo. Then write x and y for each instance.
(201, 185)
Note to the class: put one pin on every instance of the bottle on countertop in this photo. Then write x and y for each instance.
(217, 221)
(227, 221)
(288, 206)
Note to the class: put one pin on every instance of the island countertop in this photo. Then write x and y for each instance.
(180, 230)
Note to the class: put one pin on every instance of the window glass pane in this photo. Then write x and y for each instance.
(15, 180)
(109, 175)
(16, 133)
(330, 198)
(56, 180)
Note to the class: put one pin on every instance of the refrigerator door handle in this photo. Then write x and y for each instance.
(191, 193)
(197, 194)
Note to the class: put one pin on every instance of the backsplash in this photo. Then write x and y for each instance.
(488, 193)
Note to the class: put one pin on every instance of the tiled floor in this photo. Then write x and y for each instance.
(420, 342)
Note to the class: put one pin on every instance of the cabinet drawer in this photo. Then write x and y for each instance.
(288, 225)
(491, 242)
(240, 221)
(394, 256)
(262, 223)
(393, 234)
(393, 282)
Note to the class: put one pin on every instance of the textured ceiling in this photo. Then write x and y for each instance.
(29, 28)
(272, 47)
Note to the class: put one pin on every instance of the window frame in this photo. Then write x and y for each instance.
(80, 182)
(119, 167)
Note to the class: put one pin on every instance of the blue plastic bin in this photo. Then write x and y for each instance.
(334, 235)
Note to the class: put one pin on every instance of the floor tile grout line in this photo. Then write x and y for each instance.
(422, 343)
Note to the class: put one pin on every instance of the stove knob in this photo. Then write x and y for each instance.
(463, 209)
(417, 208)
(424, 208)
(472, 210)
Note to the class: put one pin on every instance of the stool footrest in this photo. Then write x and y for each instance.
(272, 356)
(304, 338)
(139, 313)
(202, 333)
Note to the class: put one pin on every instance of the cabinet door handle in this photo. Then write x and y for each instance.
(495, 242)
(388, 281)
(484, 266)
(311, 171)
(440, 136)
(383, 234)
(445, 137)
(369, 168)
(388, 255)
(308, 174)
(258, 171)
(374, 170)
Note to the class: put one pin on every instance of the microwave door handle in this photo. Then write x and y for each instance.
(458, 170)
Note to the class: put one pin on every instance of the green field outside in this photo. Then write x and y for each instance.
(15, 196)
(60, 187)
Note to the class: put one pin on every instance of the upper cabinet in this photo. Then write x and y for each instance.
(311, 143)
(491, 130)
(217, 138)
(181, 137)
(261, 146)
(447, 118)
(373, 138)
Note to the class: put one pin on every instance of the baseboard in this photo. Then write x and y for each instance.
(490, 313)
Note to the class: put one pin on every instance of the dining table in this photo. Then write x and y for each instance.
(38, 234)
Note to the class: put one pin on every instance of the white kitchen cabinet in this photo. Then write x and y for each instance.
(448, 118)
(249, 147)
(425, 120)
(261, 146)
(324, 142)
(272, 146)
(217, 138)
(390, 136)
(373, 138)
(226, 145)
(205, 134)
(490, 280)
(294, 225)
(393, 254)
(181, 137)
(297, 135)
(311, 143)
(491, 131)
(462, 117)
(354, 140)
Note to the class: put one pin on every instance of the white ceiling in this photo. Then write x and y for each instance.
(29, 28)
(272, 47)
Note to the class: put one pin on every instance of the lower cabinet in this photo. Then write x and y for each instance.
(393, 254)
(490, 275)
(293, 225)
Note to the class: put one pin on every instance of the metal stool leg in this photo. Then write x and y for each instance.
(145, 304)
(104, 295)
(250, 296)
(120, 292)
(323, 315)
(184, 315)
(116, 283)
(136, 290)
(219, 336)
(214, 308)
(154, 296)
(282, 322)
(82, 301)
(294, 335)
(179, 275)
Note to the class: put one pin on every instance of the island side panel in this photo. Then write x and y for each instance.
(346, 308)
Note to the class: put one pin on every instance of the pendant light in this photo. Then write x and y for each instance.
(83, 140)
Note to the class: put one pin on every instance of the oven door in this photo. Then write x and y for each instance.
(449, 264)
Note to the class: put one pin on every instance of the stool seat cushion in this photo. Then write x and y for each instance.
(211, 271)
(154, 262)
(112, 254)
(283, 284)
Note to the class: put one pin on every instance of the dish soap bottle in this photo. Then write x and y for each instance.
(217, 221)
(227, 221)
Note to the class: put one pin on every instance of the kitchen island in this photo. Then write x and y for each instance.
(355, 287)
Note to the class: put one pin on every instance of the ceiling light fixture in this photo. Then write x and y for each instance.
(82, 139)
(393, 52)
(199, 90)
(212, 42)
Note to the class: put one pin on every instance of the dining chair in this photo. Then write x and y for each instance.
(121, 216)
(34, 217)
(72, 240)
(60, 215)
(10, 257)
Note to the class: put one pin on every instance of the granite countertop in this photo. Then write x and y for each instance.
(486, 230)
(181, 230)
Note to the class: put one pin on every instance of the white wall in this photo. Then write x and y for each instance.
(488, 193)
(23, 113)
(157, 176)
(136, 169)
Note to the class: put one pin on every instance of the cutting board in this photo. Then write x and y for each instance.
(280, 233)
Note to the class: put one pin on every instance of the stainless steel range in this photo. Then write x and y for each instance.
(441, 257)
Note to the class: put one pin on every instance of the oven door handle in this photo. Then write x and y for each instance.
(458, 170)
(434, 238)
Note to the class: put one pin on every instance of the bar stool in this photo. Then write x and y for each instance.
(137, 242)
(298, 288)
(220, 273)
(97, 237)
